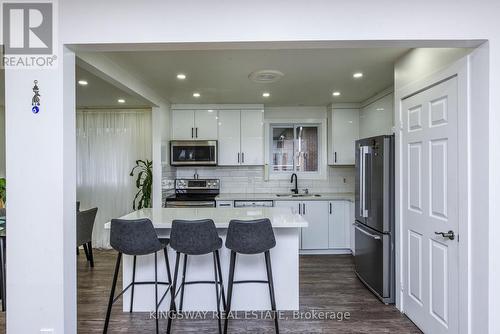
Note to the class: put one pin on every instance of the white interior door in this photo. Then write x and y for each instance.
(430, 205)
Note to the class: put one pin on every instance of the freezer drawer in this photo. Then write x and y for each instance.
(373, 261)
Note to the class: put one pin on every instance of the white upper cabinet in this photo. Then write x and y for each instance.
(343, 131)
(182, 124)
(205, 124)
(194, 124)
(229, 137)
(252, 137)
(241, 137)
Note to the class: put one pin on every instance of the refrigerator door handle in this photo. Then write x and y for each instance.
(365, 151)
(374, 236)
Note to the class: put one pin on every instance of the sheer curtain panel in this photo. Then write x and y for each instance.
(108, 144)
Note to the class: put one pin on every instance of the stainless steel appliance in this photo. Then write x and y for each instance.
(374, 210)
(193, 153)
(194, 193)
(253, 204)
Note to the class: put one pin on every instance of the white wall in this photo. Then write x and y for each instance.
(2, 140)
(293, 112)
(422, 62)
(381, 23)
(428, 62)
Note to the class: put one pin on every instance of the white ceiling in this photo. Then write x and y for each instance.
(102, 94)
(221, 76)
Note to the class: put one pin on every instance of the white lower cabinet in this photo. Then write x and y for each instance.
(329, 223)
(315, 236)
(339, 224)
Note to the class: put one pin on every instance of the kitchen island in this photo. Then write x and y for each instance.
(201, 297)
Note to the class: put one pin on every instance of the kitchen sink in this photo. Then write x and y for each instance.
(298, 195)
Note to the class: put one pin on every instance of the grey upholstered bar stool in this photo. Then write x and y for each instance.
(84, 227)
(197, 237)
(250, 237)
(134, 238)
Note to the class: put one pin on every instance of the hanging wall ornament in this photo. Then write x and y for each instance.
(35, 102)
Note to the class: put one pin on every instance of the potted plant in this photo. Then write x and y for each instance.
(3, 192)
(144, 182)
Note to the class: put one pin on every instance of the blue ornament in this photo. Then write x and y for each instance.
(35, 110)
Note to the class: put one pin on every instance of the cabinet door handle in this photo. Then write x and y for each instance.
(335, 157)
(304, 208)
(242, 157)
(238, 157)
(192, 132)
(330, 208)
(196, 133)
(299, 210)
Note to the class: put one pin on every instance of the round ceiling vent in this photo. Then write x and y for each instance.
(266, 76)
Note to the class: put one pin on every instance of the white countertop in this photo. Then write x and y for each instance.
(273, 197)
(162, 218)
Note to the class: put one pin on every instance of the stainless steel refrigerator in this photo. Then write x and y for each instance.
(374, 212)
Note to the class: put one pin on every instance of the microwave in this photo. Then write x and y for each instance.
(193, 153)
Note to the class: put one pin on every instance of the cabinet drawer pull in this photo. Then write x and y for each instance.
(335, 156)
(330, 208)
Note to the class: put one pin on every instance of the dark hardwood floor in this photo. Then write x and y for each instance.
(327, 283)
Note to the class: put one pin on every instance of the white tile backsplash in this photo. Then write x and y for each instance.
(251, 179)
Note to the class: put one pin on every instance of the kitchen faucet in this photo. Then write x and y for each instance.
(296, 189)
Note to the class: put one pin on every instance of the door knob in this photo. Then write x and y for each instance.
(450, 234)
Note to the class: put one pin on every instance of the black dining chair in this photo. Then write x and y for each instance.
(84, 227)
(250, 237)
(190, 238)
(136, 238)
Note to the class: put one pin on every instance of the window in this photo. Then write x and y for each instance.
(294, 148)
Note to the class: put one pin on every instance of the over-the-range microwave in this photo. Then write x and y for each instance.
(193, 152)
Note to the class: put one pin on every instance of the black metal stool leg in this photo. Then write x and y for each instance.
(133, 285)
(221, 280)
(85, 249)
(271, 289)
(229, 288)
(169, 275)
(183, 282)
(91, 254)
(112, 294)
(156, 291)
(216, 283)
(172, 301)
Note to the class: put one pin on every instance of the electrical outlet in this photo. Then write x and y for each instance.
(47, 331)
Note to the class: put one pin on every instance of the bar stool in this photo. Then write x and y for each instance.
(134, 238)
(197, 237)
(250, 237)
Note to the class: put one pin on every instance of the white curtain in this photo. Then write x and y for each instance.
(108, 144)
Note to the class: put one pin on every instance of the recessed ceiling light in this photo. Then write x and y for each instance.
(336, 93)
(196, 94)
(181, 76)
(121, 100)
(380, 109)
(357, 75)
(83, 82)
(266, 94)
